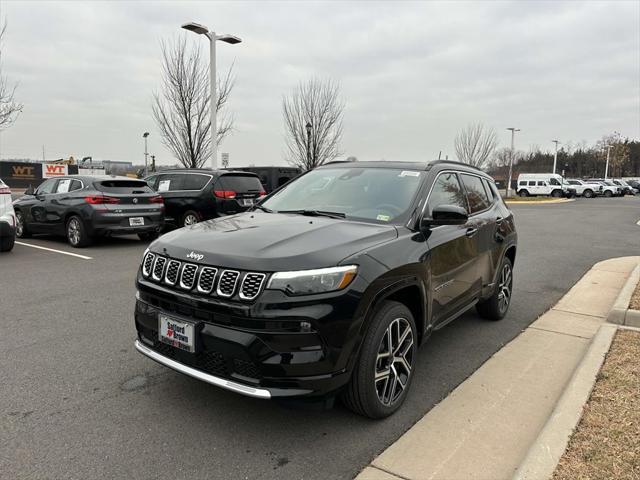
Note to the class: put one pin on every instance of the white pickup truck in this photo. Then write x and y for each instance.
(584, 189)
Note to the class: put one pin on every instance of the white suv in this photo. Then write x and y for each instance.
(585, 189)
(7, 219)
(531, 184)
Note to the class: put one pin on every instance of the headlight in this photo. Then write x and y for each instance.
(304, 282)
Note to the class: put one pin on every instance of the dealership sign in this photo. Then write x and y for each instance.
(54, 170)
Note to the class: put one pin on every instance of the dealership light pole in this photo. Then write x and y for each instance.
(513, 132)
(202, 30)
(146, 153)
(606, 168)
(555, 155)
(308, 127)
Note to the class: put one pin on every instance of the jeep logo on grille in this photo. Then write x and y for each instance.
(195, 256)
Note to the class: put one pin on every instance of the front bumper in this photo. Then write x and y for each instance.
(292, 349)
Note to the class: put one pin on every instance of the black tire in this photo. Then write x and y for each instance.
(148, 236)
(392, 320)
(21, 228)
(494, 307)
(556, 193)
(587, 193)
(187, 218)
(608, 194)
(77, 235)
(523, 193)
(6, 243)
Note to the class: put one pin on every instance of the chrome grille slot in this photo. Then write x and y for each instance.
(251, 285)
(206, 279)
(227, 283)
(188, 277)
(171, 277)
(147, 264)
(158, 268)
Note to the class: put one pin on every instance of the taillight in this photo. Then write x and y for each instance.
(5, 191)
(262, 193)
(224, 193)
(101, 200)
(157, 199)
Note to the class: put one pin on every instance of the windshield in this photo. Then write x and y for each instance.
(380, 194)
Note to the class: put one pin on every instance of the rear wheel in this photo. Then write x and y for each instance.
(588, 193)
(523, 193)
(189, 218)
(6, 243)
(496, 306)
(77, 233)
(380, 380)
(608, 193)
(21, 228)
(556, 193)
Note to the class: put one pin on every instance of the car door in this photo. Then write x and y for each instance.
(37, 216)
(59, 203)
(453, 252)
(485, 216)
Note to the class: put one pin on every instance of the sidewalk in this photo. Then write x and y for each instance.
(485, 427)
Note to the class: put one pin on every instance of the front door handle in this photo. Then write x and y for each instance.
(471, 231)
(499, 220)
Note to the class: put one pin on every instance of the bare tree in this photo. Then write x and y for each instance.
(9, 107)
(313, 123)
(182, 109)
(475, 144)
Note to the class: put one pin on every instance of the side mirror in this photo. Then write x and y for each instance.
(29, 191)
(445, 215)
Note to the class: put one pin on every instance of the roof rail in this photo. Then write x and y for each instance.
(439, 162)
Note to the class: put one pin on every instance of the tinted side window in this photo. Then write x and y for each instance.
(153, 181)
(490, 192)
(240, 183)
(47, 187)
(532, 183)
(541, 184)
(75, 185)
(476, 195)
(553, 181)
(522, 183)
(447, 191)
(170, 182)
(194, 181)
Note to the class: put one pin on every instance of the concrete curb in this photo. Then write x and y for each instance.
(621, 314)
(540, 202)
(544, 455)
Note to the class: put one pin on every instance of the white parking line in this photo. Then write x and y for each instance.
(84, 257)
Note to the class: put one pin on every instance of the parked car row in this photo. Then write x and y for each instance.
(554, 185)
(83, 207)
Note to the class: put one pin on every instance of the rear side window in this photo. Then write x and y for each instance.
(122, 186)
(522, 183)
(476, 195)
(532, 183)
(68, 185)
(170, 182)
(541, 184)
(194, 181)
(554, 181)
(489, 190)
(447, 191)
(240, 183)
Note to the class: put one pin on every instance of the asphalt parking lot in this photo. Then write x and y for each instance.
(77, 400)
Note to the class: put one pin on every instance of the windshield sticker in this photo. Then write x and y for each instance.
(409, 173)
(384, 218)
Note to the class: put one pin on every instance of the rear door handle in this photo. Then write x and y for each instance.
(499, 220)
(471, 231)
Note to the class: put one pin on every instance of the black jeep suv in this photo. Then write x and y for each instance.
(330, 284)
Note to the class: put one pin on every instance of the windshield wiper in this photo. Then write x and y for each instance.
(315, 213)
(264, 209)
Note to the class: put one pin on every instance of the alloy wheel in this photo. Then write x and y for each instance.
(190, 220)
(394, 361)
(73, 231)
(504, 295)
(19, 225)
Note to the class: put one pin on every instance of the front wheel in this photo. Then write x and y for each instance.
(21, 228)
(588, 193)
(523, 193)
(556, 193)
(496, 306)
(381, 378)
(189, 218)
(608, 194)
(77, 233)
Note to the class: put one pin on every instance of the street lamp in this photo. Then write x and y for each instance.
(146, 154)
(513, 132)
(555, 155)
(202, 30)
(606, 168)
(308, 127)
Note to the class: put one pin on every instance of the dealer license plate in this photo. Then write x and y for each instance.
(136, 221)
(176, 333)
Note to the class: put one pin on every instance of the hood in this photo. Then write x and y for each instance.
(272, 242)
